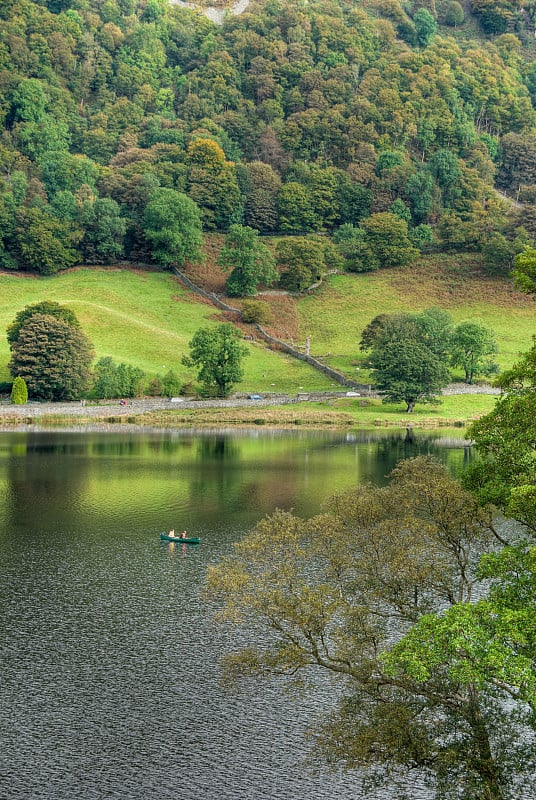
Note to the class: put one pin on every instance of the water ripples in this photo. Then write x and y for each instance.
(110, 684)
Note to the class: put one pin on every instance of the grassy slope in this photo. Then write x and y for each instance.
(147, 319)
(143, 318)
(450, 282)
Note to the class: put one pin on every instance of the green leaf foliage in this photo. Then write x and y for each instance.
(525, 270)
(249, 260)
(217, 353)
(471, 346)
(506, 440)
(408, 371)
(378, 591)
(53, 357)
(48, 307)
(172, 224)
(294, 119)
(117, 380)
(19, 391)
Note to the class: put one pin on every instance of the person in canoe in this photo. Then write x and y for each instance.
(183, 535)
(172, 533)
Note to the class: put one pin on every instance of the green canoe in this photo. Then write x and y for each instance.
(182, 539)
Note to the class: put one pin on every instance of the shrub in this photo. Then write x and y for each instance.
(257, 311)
(117, 380)
(171, 385)
(19, 391)
(155, 388)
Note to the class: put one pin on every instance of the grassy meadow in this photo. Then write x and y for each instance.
(453, 411)
(453, 283)
(146, 318)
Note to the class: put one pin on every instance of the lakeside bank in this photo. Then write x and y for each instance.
(460, 405)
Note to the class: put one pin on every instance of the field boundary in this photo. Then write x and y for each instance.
(274, 342)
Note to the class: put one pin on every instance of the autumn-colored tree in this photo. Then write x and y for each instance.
(212, 184)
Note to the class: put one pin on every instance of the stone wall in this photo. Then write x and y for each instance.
(277, 344)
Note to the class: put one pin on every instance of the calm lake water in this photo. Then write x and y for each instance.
(109, 682)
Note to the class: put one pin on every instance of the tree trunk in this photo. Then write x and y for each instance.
(483, 762)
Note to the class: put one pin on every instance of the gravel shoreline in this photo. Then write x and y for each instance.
(112, 408)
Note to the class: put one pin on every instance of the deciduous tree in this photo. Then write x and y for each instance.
(505, 475)
(407, 370)
(525, 270)
(365, 592)
(104, 231)
(44, 242)
(387, 237)
(303, 262)
(218, 353)
(172, 224)
(249, 260)
(471, 346)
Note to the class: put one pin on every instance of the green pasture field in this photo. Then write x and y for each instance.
(453, 283)
(144, 318)
(452, 410)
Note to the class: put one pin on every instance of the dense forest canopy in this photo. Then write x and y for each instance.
(288, 118)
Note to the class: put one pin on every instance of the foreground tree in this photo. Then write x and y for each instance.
(53, 357)
(249, 260)
(344, 593)
(505, 475)
(218, 352)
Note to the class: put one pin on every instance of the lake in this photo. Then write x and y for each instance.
(110, 685)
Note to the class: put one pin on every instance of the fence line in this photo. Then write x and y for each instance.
(278, 344)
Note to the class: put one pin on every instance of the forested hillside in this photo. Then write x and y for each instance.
(388, 124)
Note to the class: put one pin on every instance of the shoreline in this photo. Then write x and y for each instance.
(322, 410)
